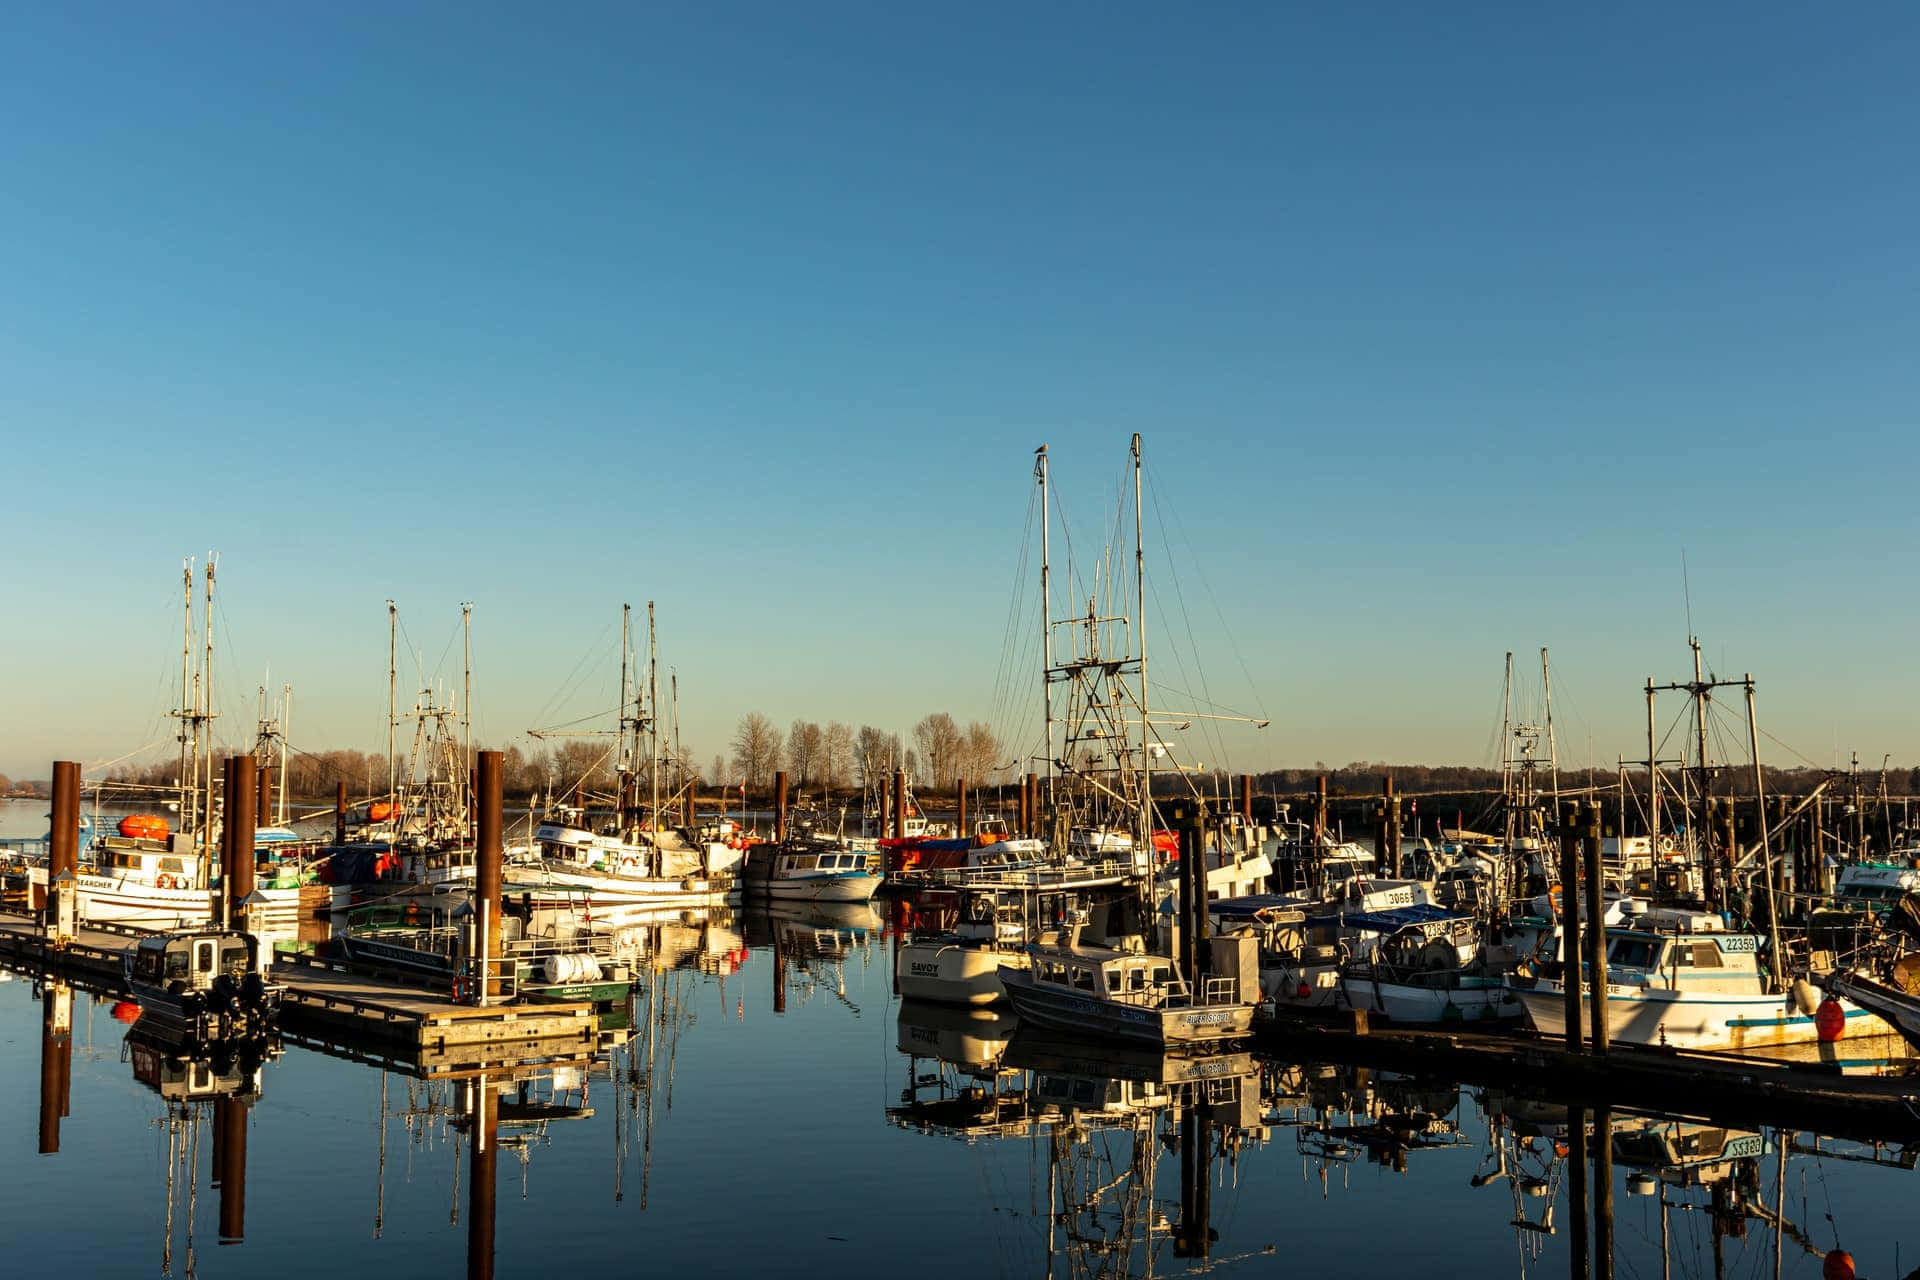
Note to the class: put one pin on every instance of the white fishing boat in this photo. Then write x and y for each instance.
(138, 880)
(963, 967)
(804, 875)
(1428, 972)
(1130, 995)
(1683, 981)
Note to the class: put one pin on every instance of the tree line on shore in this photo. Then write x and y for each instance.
(835, 758)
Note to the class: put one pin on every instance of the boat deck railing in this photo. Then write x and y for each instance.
(1035, 877)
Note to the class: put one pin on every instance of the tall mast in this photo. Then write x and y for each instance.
(466, 709)
(1140, 604)
(1506, 750)
(1046, 611)
(1701, 694)
(1653, 780)
(186, 693)
(681, 765)
(624, 754)
(653, 715)
(206, 695)
(1553, 757)
(286, 731)
(393, 640)
(1766, 857)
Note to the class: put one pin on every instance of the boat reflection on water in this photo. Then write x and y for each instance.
(813, 944)
(1105, 1113)
(201, 1082)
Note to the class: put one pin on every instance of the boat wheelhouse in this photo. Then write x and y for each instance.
(209, 984)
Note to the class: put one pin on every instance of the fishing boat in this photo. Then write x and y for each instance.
(811, 865)
(1428, 972)
(815, 877)
(210, 984)
(963, 966)
(1128, 995)
(1683, 981)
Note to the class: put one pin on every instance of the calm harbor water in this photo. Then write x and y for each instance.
(845, 1131)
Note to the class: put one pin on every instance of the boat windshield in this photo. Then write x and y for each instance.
(1635, 951)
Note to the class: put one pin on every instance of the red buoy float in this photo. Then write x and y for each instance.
(144, 826)
(380, 811)
(126, 1011)
(1838, 1265)
(1829, 1020)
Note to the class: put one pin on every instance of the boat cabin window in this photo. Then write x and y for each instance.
(1082, 979)
(1636, 952)
(1706, 956)
(172, 865)
(204, 953)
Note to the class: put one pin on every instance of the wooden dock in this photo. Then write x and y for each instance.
(401, 1027)
(412, 1028)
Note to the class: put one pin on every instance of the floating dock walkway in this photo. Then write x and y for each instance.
(402, 1028)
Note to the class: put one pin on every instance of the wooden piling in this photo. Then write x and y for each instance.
(487, 874)
(1577, 1190)
(1246, 798)
(1596, 930)
(1569, 913)
(56, 1062)
(1033, 804)
(240, 849)
(779, 973)
(483, 1171)
(63, 848)
(1191, 909)
(1316, 869)
(263, 797)
(1393, 828)
(899, 804)
(1603, 1193)
(960, 805)
(340, 812)
(230, 1147)
(780, 806)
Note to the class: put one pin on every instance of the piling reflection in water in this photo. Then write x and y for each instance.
(56, 1062)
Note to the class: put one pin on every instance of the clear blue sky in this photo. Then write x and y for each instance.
(1448, 328)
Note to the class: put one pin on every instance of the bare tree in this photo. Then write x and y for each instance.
(717, 772)
(980, 752)
(804, 745)
(836, 753)
(938, 739)
(756, 748)
(871, 757)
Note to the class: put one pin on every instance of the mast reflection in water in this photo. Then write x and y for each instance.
(765, 1105)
